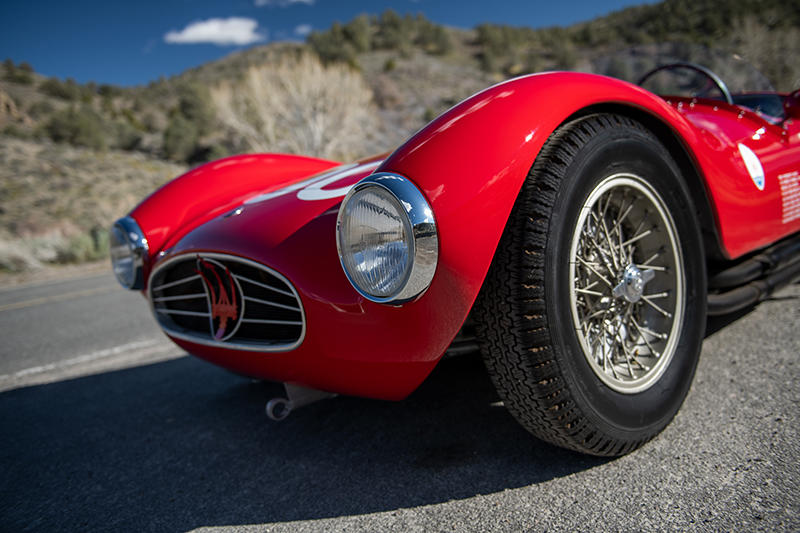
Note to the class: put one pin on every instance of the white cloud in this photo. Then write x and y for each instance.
(303, 29)
(237, 31)
(282, 3)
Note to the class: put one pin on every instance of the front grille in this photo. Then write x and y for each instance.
(227, 301)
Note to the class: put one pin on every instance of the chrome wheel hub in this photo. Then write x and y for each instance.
(627, 283)
(633, 281)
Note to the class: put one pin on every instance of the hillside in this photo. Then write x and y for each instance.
(58, 200)
(373, 80)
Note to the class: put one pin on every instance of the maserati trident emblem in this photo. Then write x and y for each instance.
(224, 298)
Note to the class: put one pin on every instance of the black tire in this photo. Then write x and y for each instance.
(535, 339)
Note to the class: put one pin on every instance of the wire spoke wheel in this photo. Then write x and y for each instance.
(627, 283)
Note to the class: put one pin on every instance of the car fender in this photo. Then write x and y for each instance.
(471, 161)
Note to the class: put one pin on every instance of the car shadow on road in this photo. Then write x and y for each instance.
(182, 444)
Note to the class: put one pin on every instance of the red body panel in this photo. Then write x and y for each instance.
(747, 218)
(470, 163)
(212, 189)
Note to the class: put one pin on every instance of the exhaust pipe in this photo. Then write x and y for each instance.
(785, 268)
(772, 259)
(279, 408)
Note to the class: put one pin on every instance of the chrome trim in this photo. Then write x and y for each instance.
(264, 321)
(270, 304)
(179, 312)
(174, 283)
(137, 247)
(424, 245)
(626, 350)
(262, 285)
(176, 298)
(254, 347)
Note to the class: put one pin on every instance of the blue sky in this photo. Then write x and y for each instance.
(132, 43)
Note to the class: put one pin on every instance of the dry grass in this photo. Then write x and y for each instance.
(297, 105)
(56, 201)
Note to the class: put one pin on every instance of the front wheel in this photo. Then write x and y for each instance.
(593, 312)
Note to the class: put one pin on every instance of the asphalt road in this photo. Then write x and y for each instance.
(104, 426)
(55, 321)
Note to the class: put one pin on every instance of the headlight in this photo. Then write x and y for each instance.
(387, 239)
(128, 248)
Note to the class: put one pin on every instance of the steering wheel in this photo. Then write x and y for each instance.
(715, 80)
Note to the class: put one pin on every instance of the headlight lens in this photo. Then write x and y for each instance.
(387, 239)
(375, 241)
(128, 248)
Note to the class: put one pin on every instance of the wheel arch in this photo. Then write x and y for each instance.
(684, 158)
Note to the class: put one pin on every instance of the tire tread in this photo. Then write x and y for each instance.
(511, 313)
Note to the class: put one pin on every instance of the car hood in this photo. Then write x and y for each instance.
(275, 227)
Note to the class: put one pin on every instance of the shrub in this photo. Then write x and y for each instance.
(67, 90)
(429, 114)
(89, 246)
(189, 121)
(359, 34)
(510, 50)
(433, 38)
(126, 136)
(40, 109)
(333, 45)
(204, 154)
(565, 57)
(195, 106)
(180, 138)
(13, 130)
(79, 127)
(109, 91)
(133, 119)
(150, 122)
(22, 73)
(389, 31)
(394, 32)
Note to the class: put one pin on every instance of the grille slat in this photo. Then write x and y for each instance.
(180, 312)
(271, 304)
(226, 301)
(248, 280)
(172, 284)
(284, 322)
(175, 298)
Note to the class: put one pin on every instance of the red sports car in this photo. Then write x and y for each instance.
(576, 228)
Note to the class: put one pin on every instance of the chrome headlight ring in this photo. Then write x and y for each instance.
(380, 269)
(128, 248)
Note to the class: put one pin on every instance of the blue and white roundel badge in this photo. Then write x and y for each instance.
(753, 165)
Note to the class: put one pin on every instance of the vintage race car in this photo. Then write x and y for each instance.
(576, 229)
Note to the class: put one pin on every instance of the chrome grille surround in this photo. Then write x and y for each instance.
(271, 319)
